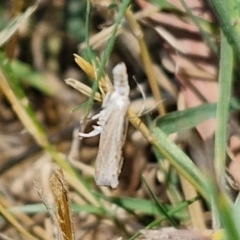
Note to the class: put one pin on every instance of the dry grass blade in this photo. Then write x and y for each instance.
(85, 66)
(37, 230)
(20, 108)
(170, 39)
(60, 194)
(174, 234)
(15, 223)
(146, 59)
(99, 39)
(90, 71)
(195, 209)
(11, 29)
(82, 88)
(3, 237)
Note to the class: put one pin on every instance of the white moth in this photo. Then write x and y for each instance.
(112, 125)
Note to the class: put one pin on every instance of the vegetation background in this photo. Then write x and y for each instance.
(180, 176)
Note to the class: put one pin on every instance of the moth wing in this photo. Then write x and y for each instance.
(109, 159)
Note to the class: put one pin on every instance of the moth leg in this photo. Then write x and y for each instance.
(97, 130)
(95, 116)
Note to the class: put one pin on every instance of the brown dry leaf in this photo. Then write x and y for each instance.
(60, 194)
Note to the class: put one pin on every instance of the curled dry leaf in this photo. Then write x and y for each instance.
(61, 199)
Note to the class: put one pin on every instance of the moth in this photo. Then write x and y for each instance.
(112, 125)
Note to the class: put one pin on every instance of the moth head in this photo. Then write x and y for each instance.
(120, 78)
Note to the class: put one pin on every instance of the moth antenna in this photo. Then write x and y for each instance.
(141, 112)
(143, 95)
(152, 107)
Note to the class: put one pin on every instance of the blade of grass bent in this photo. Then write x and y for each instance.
(180, 161)
(186, 119)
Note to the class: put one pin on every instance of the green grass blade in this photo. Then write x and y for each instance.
(144, 206)
(225, 210)
(159, 205)
(228, 14)
(186, 119)
(183, 120)
(108, 50)
(31, 77)
(180, 161)
(91, 58)
(171, 212)
(223, 106)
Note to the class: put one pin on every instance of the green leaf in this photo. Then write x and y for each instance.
(186, 119)
(163, 4)
(31, 77)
